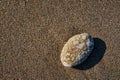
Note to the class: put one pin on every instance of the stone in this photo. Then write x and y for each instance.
(77, 49)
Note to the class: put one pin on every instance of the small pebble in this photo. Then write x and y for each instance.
(77, 49)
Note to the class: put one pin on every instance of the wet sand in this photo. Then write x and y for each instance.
(33, 33)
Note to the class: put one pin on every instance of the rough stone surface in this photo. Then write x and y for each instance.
(77, 49)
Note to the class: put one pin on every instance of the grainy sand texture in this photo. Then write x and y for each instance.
(33, 33)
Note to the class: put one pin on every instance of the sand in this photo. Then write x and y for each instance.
(33, 33)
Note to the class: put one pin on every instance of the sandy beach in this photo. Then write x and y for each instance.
(33, 33)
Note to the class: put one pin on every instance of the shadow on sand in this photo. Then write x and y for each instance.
(95, 56)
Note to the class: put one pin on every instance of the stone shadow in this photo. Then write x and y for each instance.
(95, 57)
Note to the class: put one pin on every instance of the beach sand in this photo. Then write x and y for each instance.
(33, 33)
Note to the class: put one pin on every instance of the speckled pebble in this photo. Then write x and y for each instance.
(77, 49)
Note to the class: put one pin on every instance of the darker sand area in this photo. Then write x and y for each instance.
(33, 32)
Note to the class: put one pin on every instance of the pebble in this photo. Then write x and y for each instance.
(77, 49)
